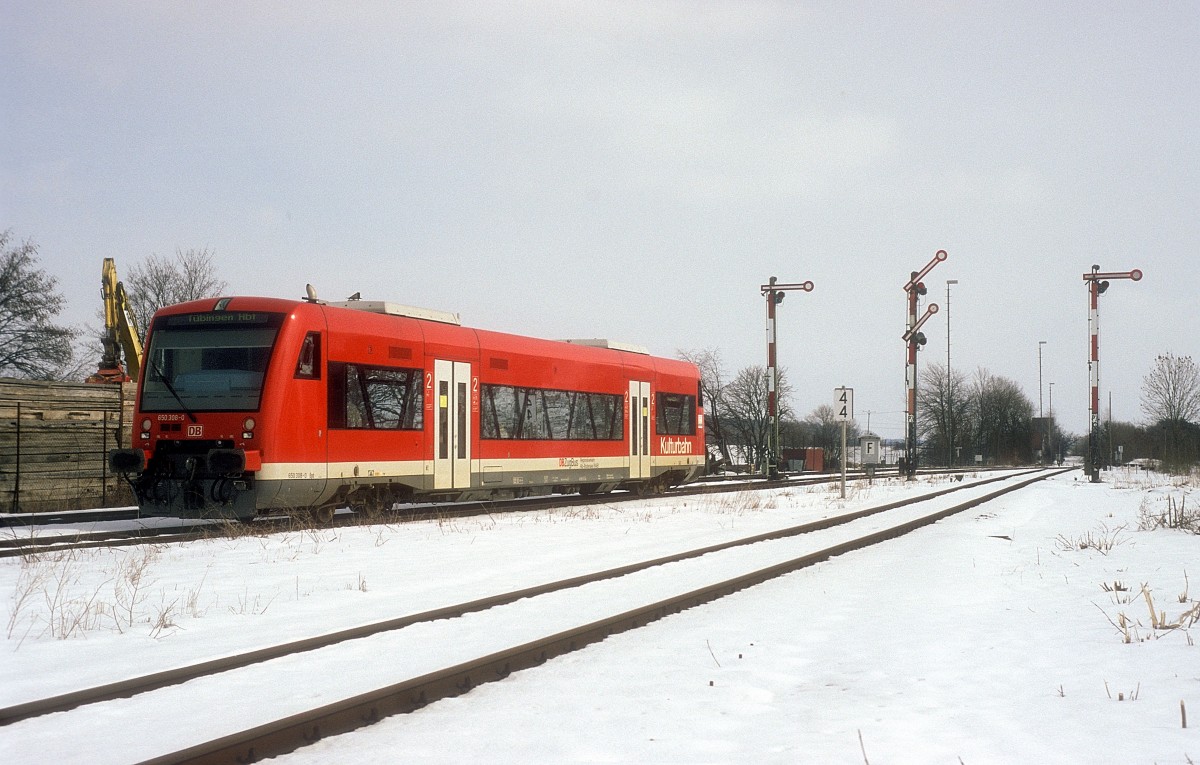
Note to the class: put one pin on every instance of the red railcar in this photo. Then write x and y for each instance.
(252, 405)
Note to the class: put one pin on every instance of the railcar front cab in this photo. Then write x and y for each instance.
(193, 439)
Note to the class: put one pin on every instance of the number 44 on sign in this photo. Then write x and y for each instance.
(843, 404)
(843, 410)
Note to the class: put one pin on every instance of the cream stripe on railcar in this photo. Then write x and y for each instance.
(671, 460)
(416, 468)
(534, 464)
(282, 471)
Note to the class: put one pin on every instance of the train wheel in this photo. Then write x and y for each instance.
(653, 487)
(322, 515)
(372, 503)
(374, 508)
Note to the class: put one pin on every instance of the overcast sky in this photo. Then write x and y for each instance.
(635, 170)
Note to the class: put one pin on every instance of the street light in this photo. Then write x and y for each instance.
(1050, 425)
(949, 380)
(1041, 419)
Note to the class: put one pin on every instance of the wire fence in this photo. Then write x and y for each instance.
(54, 444)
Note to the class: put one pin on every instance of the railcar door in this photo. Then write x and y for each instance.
(639, 429)
(451, 425)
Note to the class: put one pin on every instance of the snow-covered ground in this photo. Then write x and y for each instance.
(1016, 632)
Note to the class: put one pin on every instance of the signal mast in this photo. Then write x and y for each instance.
(1097, 285)
(913, 339)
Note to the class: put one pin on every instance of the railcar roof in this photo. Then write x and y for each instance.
(485, 337)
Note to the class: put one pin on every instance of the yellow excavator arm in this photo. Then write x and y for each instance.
(120, 331)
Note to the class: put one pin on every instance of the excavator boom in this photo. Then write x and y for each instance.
(120, 331)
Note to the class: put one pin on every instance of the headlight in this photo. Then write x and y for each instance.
(146, 424)
(249, 423)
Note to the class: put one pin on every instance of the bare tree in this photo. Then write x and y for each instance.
(825, 430)
(943, 408)
(1001, 418)
(1171, 401)
(160, 281)
(1172, 390)
(31, 345)
(712, 385)
(745, 410)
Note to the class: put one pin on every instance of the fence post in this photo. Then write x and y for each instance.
(120, 416)
(103, 461)
(17, 476)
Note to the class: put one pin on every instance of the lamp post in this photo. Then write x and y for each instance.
(774, 294)
(1041, 419)
(949, 381)
(1050, 426)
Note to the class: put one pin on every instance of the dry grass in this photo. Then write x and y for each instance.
(1102, 540)
(65, 594)
(1169, 512)
(739, 503)
(1134, 630)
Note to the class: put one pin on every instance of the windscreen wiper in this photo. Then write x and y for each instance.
(171, 389)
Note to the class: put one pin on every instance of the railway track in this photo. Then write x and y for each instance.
(35, 538)
(107, 514)
(591, 607)
(166, 530)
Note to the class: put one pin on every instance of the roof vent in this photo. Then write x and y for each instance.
(396, 309)
(612, 344)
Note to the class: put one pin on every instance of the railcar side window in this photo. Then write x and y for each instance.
(558, 405)
(357, 413)
(676, 414)
(606, 415)
(378, 398)
(308, 366)
(508, 412)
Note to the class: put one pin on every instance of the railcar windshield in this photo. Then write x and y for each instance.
(206, 362)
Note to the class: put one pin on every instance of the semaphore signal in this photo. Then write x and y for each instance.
(1097, 282)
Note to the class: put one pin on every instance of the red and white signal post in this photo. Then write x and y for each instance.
(914, 338)
(1097, 282)
(774, 294)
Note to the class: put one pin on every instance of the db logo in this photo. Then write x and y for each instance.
(195, 431)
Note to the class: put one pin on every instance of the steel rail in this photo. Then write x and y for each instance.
(58, 517)
(99, 515)
(154, 681)
(13, 547)
(188, 531)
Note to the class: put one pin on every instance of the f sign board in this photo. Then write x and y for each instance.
(843, 404)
